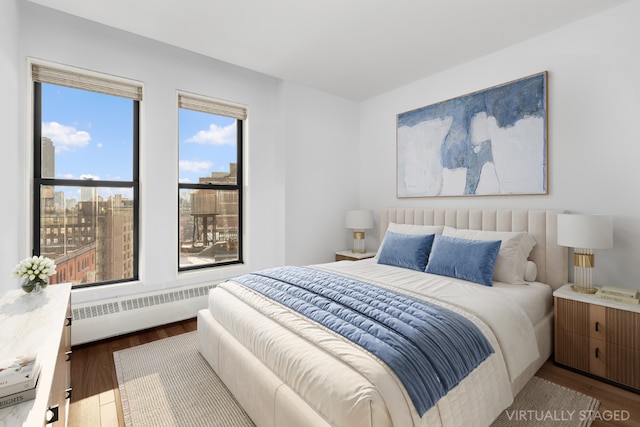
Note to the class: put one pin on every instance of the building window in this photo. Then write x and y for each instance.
(86, 144)
(210, 182)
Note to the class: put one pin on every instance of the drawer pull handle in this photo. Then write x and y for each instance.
(68, 354)
(68, 392)
(597, 352)
(52, 415)
(597, 326)
(68, 321)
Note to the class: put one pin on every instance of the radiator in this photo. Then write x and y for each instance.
(97, 320)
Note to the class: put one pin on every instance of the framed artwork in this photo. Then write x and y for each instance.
(490, 142)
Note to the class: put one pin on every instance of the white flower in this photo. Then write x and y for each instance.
(35, 267)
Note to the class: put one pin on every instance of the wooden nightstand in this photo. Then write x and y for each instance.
(352, 256)
(597, 337)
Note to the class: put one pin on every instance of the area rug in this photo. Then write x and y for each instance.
(168, 383)
(542, 403)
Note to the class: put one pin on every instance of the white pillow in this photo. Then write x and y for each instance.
(531, 272)
(514, 251)
(411, 229)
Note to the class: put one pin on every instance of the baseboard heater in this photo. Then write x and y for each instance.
(97, 320)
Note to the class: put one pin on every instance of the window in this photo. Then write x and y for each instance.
(210, 182)
(86, 144)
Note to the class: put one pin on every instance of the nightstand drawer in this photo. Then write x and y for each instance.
(623, 328)
(572, 317)
(623, 365)
(572, 350)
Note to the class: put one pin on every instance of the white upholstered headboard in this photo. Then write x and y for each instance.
(551, 259)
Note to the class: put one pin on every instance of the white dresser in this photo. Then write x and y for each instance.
(39, 324)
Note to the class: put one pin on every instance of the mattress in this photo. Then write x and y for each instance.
(348, 386)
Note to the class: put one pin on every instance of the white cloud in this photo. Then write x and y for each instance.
(88, 176)
(65, 138)
(82, 176)
(216, 135)
(195, 166)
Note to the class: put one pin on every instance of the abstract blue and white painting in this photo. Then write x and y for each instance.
(489, 142)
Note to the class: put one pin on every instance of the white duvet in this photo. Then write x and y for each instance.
(508, 320)
(350, 387)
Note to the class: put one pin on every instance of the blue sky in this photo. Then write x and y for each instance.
(207, 144)
(92, 133)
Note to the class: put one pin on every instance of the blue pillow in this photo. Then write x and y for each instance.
(472, 260)
(406, 250)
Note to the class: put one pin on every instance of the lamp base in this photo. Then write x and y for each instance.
(583, 290)
(358, 242)
(583, 266)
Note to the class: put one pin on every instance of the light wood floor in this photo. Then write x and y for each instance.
(95, 400)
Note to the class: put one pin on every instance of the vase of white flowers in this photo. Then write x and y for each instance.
(35, 272)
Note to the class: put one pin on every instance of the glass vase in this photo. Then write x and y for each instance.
(34, 286)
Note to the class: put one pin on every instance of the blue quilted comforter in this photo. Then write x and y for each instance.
(430, 348)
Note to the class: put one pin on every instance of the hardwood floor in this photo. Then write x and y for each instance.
(96, 399)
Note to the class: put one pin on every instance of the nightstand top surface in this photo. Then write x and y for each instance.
(351, 254)
(566, 293)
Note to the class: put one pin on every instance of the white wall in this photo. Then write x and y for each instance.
(321, 136)
(594, 106)
(11, 244)
(53, 36)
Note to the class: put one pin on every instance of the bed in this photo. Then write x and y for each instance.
(287, 370)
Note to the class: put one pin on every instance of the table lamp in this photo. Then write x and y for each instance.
(359, 220)
(584, 233)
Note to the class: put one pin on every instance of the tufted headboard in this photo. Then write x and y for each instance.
(551, 259)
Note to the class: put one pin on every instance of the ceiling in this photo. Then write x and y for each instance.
(355, 49)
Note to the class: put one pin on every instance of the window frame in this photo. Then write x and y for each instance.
(39, 182)
(220, 108)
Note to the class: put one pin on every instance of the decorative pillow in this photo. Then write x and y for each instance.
(530, 272)
(514, 251)
(411, 229)
(472, 260)
(405, 250)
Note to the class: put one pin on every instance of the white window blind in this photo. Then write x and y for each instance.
(212, 107)
(44, 74)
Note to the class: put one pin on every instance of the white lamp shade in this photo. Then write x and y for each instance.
(359, 219)
(585, 231)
